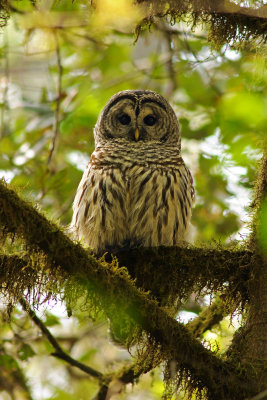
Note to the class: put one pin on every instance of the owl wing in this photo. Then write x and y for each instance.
(99, 208)
(162, 205)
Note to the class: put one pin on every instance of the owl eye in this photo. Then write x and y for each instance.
(124, 119)
(150, 120)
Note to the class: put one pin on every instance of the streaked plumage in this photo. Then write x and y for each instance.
(136, 189)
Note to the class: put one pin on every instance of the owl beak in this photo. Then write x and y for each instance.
(136, 134)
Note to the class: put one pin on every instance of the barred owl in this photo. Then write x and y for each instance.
(136, 190)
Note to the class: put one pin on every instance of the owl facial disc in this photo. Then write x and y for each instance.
(139, 116)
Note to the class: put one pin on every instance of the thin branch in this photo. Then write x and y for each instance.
(88, 37)
(59, 352)
(177, 32)
(102, 393)
(208, 318)
(58, 101)
(5, 82)
(173, 81)
(201, 66)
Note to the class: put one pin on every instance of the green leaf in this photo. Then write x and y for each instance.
(246, 108)
(51, 320)
(25, 352)
(8, 361)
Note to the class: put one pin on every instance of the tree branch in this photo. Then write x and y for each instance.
(227, 21)
(249, 346)
(170, 274)
(208, 6)
(110, 286)
(17, 269)
(209, 317)
(59, 352)
(173, 273)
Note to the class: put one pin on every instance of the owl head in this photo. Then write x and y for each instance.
(138, 116)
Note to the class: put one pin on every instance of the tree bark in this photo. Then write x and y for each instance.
(250, 343)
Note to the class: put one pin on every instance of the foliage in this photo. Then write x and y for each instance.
(60, 62)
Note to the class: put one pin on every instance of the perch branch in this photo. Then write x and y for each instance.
(59, 352)
(111, 286)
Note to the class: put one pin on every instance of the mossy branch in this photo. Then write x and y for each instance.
(226, 21)
(112, 286)
(260, 192)
(249, 346)
(209, 317)
(172, 273)
(14, 269)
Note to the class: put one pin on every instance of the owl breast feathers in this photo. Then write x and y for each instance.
(136, 189)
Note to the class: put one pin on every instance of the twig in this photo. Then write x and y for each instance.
(102, 393)
(200, 65)
(209, 317)
(170, 64)
(59, 352)
(173, 31)
(89, 38)
(58, 101)
(5, 80)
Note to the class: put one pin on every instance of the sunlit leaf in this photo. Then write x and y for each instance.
(25, 352)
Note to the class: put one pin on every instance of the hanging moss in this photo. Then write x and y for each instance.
(227, 23)
(111, 289)
(172, 274)
(4, 12)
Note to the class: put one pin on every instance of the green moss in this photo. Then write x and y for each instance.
(169, 275)
(172, 274)
(226, 22)
(4, 12)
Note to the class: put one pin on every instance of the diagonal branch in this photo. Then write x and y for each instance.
(15, 269)
(111, 286)
(209, 317)
(59, 352)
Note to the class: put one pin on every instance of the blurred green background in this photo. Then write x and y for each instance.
(60, 62)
